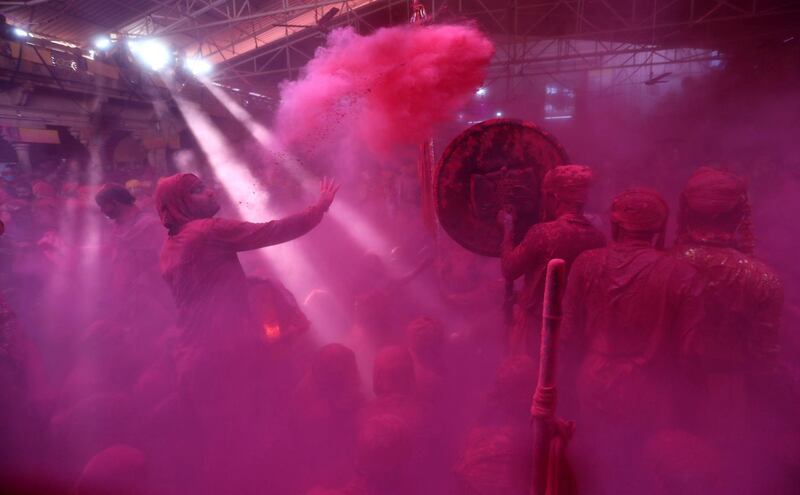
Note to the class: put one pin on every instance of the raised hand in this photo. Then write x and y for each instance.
(327, 191)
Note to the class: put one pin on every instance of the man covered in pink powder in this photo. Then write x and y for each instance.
(221, 348)
(736, 385)
(564, 234)
(625, 310)
(199, 259)
(744, 297)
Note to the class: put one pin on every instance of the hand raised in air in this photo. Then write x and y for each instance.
(327, 191)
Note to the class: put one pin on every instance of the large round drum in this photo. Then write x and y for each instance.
(491, 165)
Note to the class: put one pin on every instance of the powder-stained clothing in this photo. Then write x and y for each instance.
(220, 362)
(565, 238)
(744, 300)
(627, 307)
(731, 361)
(201, 267)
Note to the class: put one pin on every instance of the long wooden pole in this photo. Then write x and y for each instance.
(543, 408)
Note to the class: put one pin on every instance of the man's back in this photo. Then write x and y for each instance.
(743, 299)
(630, 300)
(626, 308)
(566, 238)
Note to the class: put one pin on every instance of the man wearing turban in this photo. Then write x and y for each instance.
(626, 307)
(731, 360)
(565, 233)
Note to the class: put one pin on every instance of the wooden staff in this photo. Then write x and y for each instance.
(544, 400)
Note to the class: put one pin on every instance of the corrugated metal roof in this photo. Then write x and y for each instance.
(78, 21)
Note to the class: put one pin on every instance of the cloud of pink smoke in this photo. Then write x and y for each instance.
(383, 90)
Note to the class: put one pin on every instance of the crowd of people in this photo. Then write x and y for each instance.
(139, 357)
(671, 360)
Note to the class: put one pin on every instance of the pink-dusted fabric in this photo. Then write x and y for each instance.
(220, 361)
(565, 238)
(200, 264)
(627, 307)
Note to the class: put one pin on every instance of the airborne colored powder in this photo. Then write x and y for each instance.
(383, 90)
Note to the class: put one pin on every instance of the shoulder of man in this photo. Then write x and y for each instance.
(588, 261)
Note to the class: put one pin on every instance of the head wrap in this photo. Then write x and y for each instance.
(712, 202)
(114, 192)
(569, 183)
(334, 368)
(493, 461)
(641, 210)
(710, 191)
(173, 201)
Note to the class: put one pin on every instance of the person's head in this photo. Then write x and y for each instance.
(639, 214)
(514, 385)
(713, 207)
(334, 371)
(113, 200)
(393, 372)
(494, 461)
(133, 185)
(181, 198)
(565, 189)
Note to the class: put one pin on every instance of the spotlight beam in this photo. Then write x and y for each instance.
(250, 200)
(347, 217)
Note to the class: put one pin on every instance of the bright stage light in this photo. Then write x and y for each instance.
(102, 43)
(21, 32)
(481, 92)
(198, 66)
(498, 114)
(152, 53)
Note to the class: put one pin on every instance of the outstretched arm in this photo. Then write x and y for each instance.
(246, 236)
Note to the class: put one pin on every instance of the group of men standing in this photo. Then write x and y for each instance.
(665, 350)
